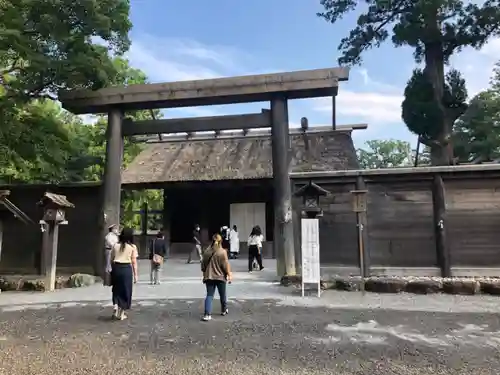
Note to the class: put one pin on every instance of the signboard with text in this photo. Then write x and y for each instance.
(311, 272)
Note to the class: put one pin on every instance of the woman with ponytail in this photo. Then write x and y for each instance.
(216, 273)
(123, 272)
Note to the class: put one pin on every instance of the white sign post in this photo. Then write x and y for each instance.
(311, 273)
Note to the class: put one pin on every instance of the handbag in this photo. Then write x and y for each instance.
(157, 259)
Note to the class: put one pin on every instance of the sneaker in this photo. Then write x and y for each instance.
(122, 316)
(261, 268)
(206, 318)
(225, 312)
(250, 271)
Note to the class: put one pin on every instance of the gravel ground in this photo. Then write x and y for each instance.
(258, 337)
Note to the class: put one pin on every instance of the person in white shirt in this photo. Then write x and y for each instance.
(234, 240)
(110, 241)
(255, 248)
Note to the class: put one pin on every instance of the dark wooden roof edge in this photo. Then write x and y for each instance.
(49, 186)
(398, 171)
(254, 133)
(311, 188)
(57, 199)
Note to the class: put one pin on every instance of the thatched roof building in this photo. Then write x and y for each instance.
(239, 157)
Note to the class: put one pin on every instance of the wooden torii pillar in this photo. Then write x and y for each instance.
(283, 226)
(111, 180)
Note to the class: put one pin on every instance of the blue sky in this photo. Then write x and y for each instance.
(196, 39)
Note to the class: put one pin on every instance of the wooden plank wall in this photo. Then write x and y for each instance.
(473, 215)
(337, 227)
(79, 241)
(401, 223)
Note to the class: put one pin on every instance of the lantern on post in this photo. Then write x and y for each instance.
(310, 254)
(311, 194)
(54, 206)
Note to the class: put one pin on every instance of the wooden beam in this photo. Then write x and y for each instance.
(439, 210)
(244, 89)
(198, 124)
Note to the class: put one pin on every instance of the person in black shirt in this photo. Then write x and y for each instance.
(157, 253)
(196, 240)
(224, 232)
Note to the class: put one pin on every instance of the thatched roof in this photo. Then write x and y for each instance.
(245, 157)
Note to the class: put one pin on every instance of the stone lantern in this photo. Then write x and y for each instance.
(54, 206)
(311, 194)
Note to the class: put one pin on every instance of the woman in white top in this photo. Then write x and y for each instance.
(255, 248)
(124, 272)
(234, 239)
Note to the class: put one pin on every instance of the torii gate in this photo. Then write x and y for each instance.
(277, 88)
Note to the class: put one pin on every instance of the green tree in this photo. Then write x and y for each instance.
(90, 149)
(434, 29)
(385, 154)
(35, 143)
(476, 135)
(48, 45)
(421, 115)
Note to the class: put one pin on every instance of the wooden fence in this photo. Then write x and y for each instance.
(418, 221)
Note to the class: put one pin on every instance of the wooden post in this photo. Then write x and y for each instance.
(283, 238)
(111, 178)
(362, 223)
(1, 237)
(144, 229)
(166, 220)
(334, 110)
(360, 207)
(49, 256)
(439, 210)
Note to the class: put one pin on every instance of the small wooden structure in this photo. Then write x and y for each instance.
(55, 206)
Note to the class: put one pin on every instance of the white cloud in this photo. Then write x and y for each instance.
(170, 60)
(160, 69)
(477, 66)
(375, 85)
(371, 107)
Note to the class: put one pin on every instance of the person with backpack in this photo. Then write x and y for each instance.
(216, 274)
(157, 253)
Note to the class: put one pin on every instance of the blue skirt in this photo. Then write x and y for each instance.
(122, 281)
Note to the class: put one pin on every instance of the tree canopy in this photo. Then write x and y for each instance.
(48, 45)
(420, 112)
(476, 135)
(434, 29)
(385, 154)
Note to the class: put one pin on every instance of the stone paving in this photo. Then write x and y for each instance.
(270, 330)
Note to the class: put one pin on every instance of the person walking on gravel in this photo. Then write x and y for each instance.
(124, 272)
(110, 240)
(255, 248)
(196, 239)
(157, 254)
(216, 274)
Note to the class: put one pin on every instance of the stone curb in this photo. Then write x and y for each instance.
(415, 285)
(36, 284)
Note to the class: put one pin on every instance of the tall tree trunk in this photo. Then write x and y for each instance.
(441, 153)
